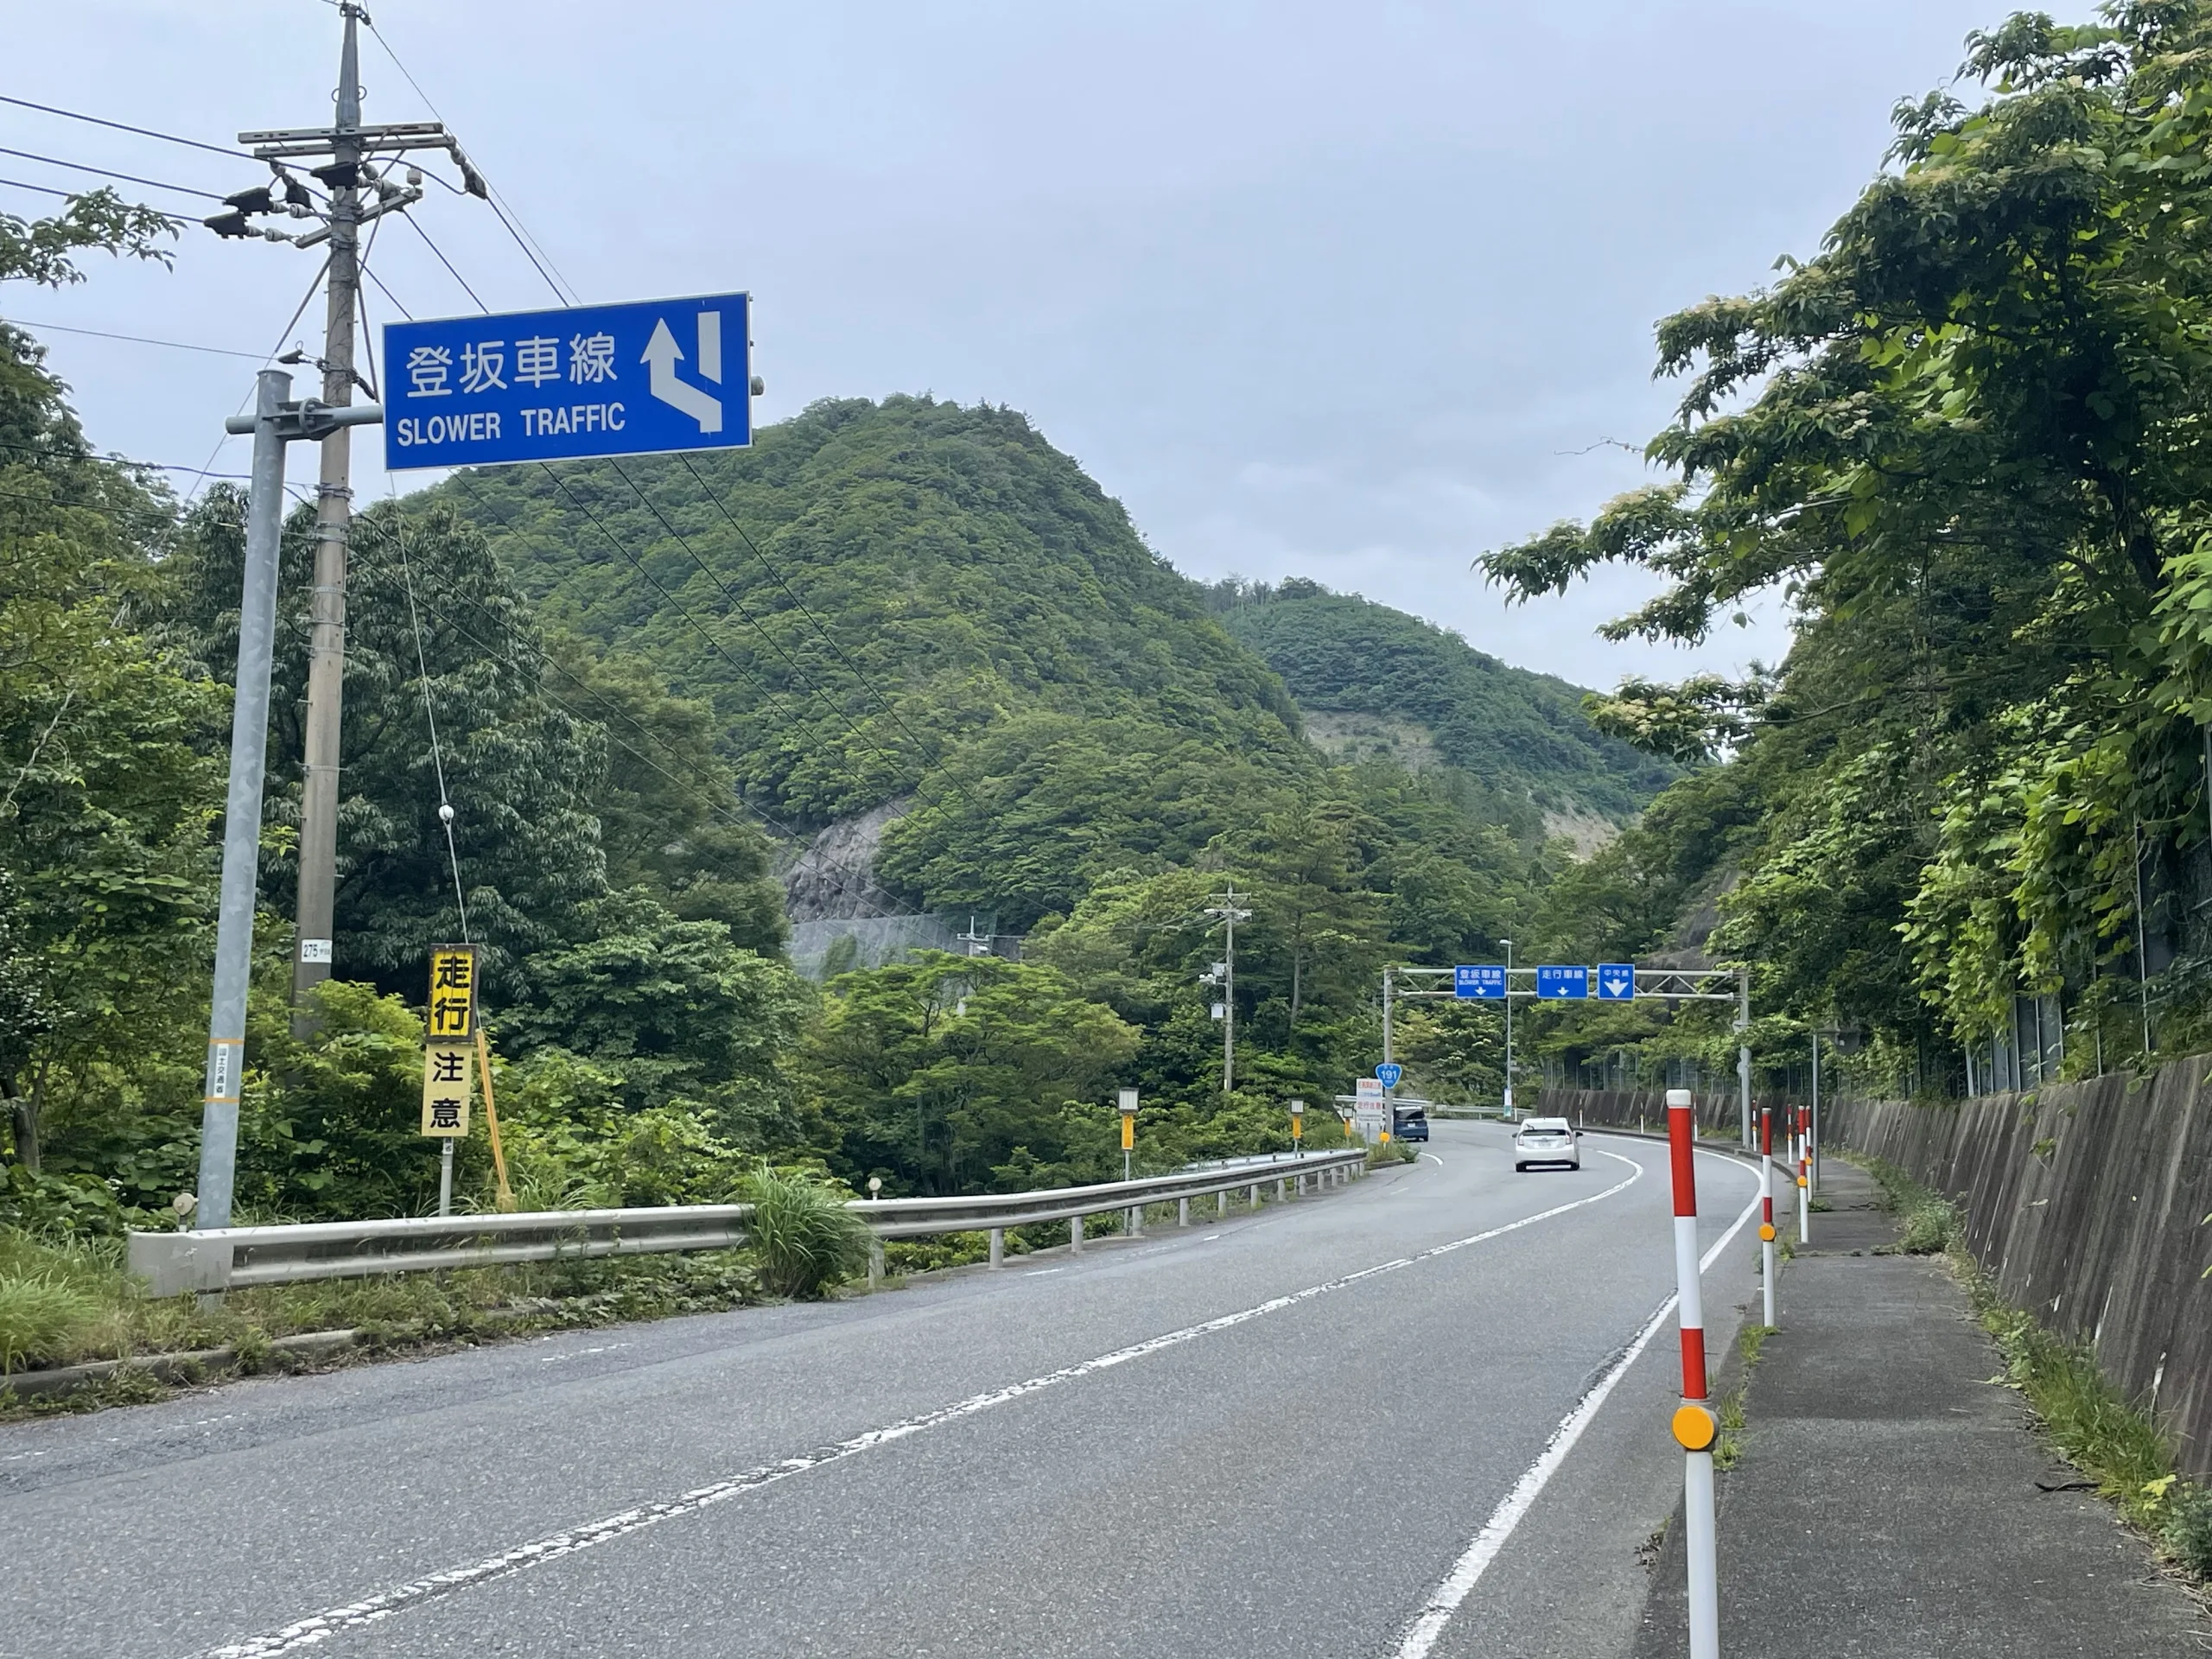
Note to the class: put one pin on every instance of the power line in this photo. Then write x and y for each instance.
(442, 260)
(123, 126)
(497, 201)
(73, 195)
(107, 172)
(136, 340)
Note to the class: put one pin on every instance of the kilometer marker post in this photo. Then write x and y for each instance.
(1695, 1427)
(1766, 1209)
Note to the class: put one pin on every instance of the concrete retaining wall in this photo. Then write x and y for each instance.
(2087, 1201)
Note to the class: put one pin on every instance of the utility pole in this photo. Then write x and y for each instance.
(1387, 1056)
(1743, 1048)
(1224, 910)
(351, 173)
(979, 944)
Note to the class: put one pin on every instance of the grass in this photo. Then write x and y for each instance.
(805, 1239)
(2079, 1410)
(66, 1300)
(1728, 1450)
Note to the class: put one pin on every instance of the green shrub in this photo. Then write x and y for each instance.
(41, 1313)
(1931, 1227)
(2188, 1532)
(804, 1237)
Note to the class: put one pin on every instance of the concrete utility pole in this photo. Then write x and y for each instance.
(1387, 1055)
(1224, 910)
(351, 175)
(1743, 1047)
(333, 521)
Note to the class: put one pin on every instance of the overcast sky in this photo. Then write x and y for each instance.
(1352, 292)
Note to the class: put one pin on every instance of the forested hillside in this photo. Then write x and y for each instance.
(1522, 735)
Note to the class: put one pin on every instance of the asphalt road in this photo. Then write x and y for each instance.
(1279, 1434)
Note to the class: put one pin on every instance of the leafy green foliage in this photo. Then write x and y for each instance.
(1963, 436)
(41, 250)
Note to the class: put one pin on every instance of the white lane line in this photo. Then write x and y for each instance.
(1436, 1612)
(321, 1627)
(1434, 1159)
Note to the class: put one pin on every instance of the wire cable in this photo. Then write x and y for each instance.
(73, 195)
(125, 126)
(107, 172)
(134, 340)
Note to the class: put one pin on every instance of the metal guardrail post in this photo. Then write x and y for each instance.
(1255, 1195)
(998, 1247)
(1075, 1235)
(1182, 1212)
(1281, 1189)
(874, 1263)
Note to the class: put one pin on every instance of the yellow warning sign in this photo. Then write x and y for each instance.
(453, 993)
(445, 1090)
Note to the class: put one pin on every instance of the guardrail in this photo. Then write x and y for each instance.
(234, 1258)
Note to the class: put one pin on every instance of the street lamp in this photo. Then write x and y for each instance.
(1128, 1105)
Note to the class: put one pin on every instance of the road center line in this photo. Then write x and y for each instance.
(322, 1627)
(1436, 1612)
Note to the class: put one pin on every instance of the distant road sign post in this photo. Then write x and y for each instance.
(647, 377)
(1479, 980)
(1616, 981)
(1552, 982)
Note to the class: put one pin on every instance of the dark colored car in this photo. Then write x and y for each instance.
(1409, 1122)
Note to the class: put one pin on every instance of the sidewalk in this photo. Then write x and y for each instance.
(1890, 1501)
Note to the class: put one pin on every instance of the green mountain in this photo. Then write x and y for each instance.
(1371, 679)
(923, 629)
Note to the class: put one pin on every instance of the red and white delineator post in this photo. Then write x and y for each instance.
(1695, 1426)
(1766, 1209)
(1804, 1178)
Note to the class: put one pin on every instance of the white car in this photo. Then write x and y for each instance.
(1547, 1141)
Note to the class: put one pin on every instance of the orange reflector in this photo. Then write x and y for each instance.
(1766, 1231)
(1695, 1427)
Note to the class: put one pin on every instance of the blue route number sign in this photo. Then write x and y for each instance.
(1480, 981)
(1388, 1072)
(648, 377)
(1555, 982)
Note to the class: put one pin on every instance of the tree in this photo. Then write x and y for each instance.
(671, 1008)
(1965, 435)
(936, 1070)
(522, 773)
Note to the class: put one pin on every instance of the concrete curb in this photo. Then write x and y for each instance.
(186, 1367)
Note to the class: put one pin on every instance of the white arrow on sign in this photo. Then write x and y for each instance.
(663, 353)
(1618, 986)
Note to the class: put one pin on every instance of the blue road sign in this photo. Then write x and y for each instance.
(1388, 1072)
(1563, 981)
(643, 378)
(1479, 980)
(1616, 981)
